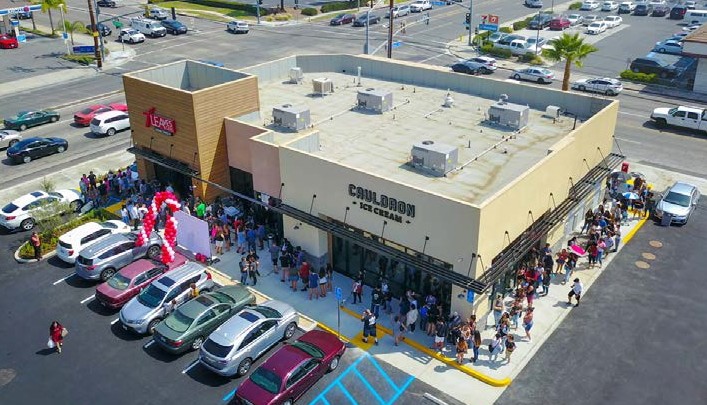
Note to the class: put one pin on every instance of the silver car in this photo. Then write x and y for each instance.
(231, 349)
(9, 137)
(534, 74)
(104, 258)
(679, 202)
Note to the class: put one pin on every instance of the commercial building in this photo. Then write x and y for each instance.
(12, 11)
(436, 181)
(696, 47)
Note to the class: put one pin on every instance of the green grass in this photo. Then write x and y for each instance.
(196, 8)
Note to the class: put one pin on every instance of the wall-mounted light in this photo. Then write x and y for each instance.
(425, 245)
(311, 205)
(152, 138)
(346, 214)
(383, 231)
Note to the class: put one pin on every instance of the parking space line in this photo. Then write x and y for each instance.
(85, 300)
(402, 389)
(148, 344)
(346, 392)
(230, 395)
(193, 363)
(61, 280)
(114, 321)
(384, 374)
(368, 385)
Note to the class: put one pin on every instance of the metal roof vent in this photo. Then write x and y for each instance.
(448, 100)
(375, 100)
(503, 99)
(295, 118)
(434, 158)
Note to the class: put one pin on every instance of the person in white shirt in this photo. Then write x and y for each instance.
(576, 291)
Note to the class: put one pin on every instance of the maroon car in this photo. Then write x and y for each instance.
(291, 370)
(560, 24)
(131, 279)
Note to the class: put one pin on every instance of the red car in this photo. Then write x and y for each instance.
(85, 116)
(8, 42)
(560, 24)
(131, 279)
(292, 370)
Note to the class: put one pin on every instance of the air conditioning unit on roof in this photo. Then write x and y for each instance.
(295, 118)
(322, 86)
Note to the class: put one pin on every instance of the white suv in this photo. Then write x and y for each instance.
(76, 239)
(21, 212)
(420, 6)
(237, 27)
(110, 122)
(130, 35)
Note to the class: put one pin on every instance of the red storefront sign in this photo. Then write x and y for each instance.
(160, 123)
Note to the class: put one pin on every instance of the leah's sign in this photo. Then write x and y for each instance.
(160, 123)
(381, 204)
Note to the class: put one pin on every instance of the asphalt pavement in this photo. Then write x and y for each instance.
(638, 337)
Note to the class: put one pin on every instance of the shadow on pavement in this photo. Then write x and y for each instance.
(96, 307)
(45, 352)
(122, 334)
(156, 353)
(204, 376)
(78, 282)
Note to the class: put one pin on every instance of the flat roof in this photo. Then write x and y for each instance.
(381, 144)
(699, 35)
(188, 75)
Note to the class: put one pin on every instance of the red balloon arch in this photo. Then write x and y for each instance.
(170, 228)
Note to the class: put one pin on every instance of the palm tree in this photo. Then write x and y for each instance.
(571, 49)
(48, 5)
(71, 27)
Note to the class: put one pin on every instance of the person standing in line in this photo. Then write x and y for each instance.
(261, 236)
(134, 215)
(376, 300)
(304, 275)
(440, 335)
(36, 243)
(601, 247)
(462, 348)
(369, 326)
(322, 282)
(411, 317)
(313, 284)
(285, 265)
(495, 347)
(243, 264)
(399, 329)
(240, 239)
(476, 345)
(433, 314)
(530, 294)
(576, 291)
(472, 323)
(516, 310)
(253, 271)
(274, 256)
(528, 322)
(218, 239)
(423, 317)
(617, 237)
(125, 215)
(200, 209)
(547, 278)
(56, 334)
(569, 267)
(329, 277)
(292, 270)
(357, 291)
(561, 259)
(466, 334)
(498, 308)
(510, 347)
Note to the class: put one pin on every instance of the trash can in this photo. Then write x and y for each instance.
(666, 220)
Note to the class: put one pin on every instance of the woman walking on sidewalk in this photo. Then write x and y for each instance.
(528, 322)
(399, 329)
(576, 292)
(323, 280)
(476, 345)
(357, 291)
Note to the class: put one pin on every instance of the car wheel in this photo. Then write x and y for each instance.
(582, 88)
(290, 330)
(107, 273)
(27, 224)
(23, 127)
(13, 142)
(196, 344)
(661, 122)
(54, 119)
(610, 93)
(541, 80)
(153, 252)
(110, 131)
(132, 41)
(60, 149)
(516, 77)
(661, 50)
(334, 364)
(75, 206)
(26, 158)
(244, 366)
(151, 326)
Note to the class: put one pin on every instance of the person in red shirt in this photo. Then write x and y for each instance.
(304, 274)
(56, 334)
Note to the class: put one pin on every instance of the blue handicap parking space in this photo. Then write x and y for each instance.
(365, 382)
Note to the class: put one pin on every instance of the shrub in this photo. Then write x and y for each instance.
(519, 25)
(531, 59)
(282, 17)
(249, 8)
(507, 30)
(639, 77)
(338, 5)
(576, 5)
(310, 11)
(84, 60)
(498, 52)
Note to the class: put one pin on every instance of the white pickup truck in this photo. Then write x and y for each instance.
(517, 47)
(682, 116)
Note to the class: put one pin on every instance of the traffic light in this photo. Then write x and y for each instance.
(476, 30)
(468, 18)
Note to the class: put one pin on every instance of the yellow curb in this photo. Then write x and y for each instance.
(633, 231)
(333, 332)
(115, 208)
(494, 382)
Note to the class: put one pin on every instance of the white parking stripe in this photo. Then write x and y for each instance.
(194, 363)
(63, 279)
(148, 344)
(85, 300)
(114, 321)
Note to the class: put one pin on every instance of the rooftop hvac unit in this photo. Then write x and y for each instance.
(296, 75)
(322, 86)
(375, 100)
(552, 111)
(295, 118)
(436, 158)
(509, 115)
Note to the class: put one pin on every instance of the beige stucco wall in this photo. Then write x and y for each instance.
(238, 139)
(266, 165)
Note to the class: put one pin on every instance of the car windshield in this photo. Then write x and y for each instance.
(178, 322)
(119, 282)
(267, 380)
(151, 296)
(308, 348)
(216, 349)
(677, 199)
(9, 208)
(267, 312)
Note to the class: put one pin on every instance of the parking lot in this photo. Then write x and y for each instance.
(103, 364)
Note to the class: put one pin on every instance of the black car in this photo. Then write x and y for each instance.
(342, 19)
(648, 65)
(107, 3)
(678, 12)
(174, 27)
(540, 21)
(103, 29)
(660, 11)
(643, 9)
(469, 69)
(361, 20)
(23, 15)
(29, 149)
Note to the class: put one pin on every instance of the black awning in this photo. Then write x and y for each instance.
(162, 160)
(517, 249)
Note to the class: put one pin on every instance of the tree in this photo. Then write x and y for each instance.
(71, 27)
(48, 5)
(569, 48)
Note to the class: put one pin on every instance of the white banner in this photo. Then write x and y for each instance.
(193, 234)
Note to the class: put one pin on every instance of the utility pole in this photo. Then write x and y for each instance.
(100, 36)
(390, 30)
(368, 20)
(257, 10)
(471, 20)
(94, 26)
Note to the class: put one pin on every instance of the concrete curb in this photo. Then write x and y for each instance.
(20, 260)
(85, 100)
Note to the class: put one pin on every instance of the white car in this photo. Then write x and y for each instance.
(604, 85)
(589, 19)
(670, 46)
(159, 13)
(575, 19)
(627, 7)
(420, 5)
(71, 243)
(21, 212)
(613, 21)
(488, 62)
(589, 5)
(8, 137)
(151, 28)
(691, 5)
(534, 74)
(110, 122)
(131, 36)
(596, 28)
(691, 28)
(237, 27)
(609, 6)
(656, 3)
(534, 3)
